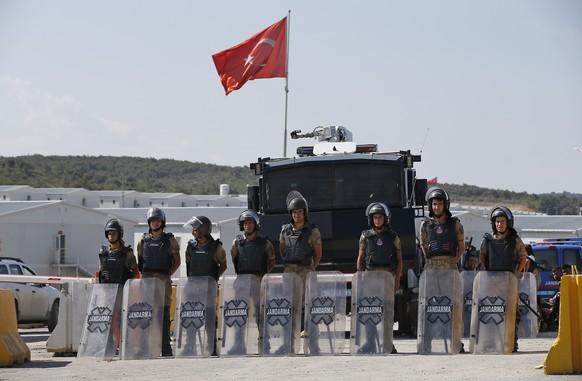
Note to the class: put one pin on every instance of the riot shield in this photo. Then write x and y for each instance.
(467, 277)
(101, 330)
(196, 311)
(528, 324)
(494, 308)
(281, 300)
(440, 302)
(143, 313)
(372, 321)
(325, 313)
(238, 323)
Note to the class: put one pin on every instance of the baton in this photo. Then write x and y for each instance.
(530, 308)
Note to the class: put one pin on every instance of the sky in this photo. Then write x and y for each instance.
(488, 92)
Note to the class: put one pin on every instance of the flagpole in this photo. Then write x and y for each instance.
(286, 83)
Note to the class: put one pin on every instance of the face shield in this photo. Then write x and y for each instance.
(192, 224)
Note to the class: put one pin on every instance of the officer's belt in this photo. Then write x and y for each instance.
(441, 259)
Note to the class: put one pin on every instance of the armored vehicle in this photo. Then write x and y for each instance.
(339, 179)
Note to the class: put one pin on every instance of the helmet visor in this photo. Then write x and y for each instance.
(192, 224)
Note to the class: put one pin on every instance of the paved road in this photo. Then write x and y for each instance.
(406, 365)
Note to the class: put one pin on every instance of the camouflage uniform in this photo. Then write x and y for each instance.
(269, 252)
(164, 277)
(519, 246)
(440, 262)
(130, 261)
(521, 256)
(302, 271)
(397, 246)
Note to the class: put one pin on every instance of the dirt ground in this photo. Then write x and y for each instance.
(406, 365)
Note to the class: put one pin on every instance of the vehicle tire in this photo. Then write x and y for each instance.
(54, 316)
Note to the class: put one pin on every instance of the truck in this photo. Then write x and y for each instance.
(555, 252)
(339, 179)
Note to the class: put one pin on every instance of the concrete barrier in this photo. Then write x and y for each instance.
(13, 350)
(565, 356)
(72, 314)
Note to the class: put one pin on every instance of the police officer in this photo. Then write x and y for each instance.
(442, 238)
(205, 256)
(379, 250)
(472, 262)
(159, 257)
(117, 262)
(300, 241)
(252, 253)
(300, 247)
(379, 247)
(504, 250)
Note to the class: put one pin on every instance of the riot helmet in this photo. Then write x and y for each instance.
(157, 213)
(248, 215)
(201, 224)
(501, 211)
(114, 224)
(296, 201)
(439, 194)
(377, 208)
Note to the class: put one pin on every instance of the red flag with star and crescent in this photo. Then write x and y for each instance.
(261, 56)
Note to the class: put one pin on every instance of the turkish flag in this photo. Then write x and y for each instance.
(432, 182)
(261, 56)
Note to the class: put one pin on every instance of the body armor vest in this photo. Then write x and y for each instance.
(156, 254)
(251, 258)
(113, 268)
(442, 238)
(380, 249)
(200, 259)
(297, 248)
(501, 253)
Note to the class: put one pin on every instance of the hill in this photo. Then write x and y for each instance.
(132, 173)
(167, 175)
(550, 203)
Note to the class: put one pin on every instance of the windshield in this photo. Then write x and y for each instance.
(572, 257)
(335, 185)
(548, 258)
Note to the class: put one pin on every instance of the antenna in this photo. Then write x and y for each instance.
(424, 140)
(409, 199)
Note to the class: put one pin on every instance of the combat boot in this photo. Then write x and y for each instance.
(166, 341)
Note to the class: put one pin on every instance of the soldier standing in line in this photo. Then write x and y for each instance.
(300, 241)
(300, 244)
(504, 250)
(379, 250)
(252, 253)
(442, 237)
(205, 255)
(159, 257)
(117, 264)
